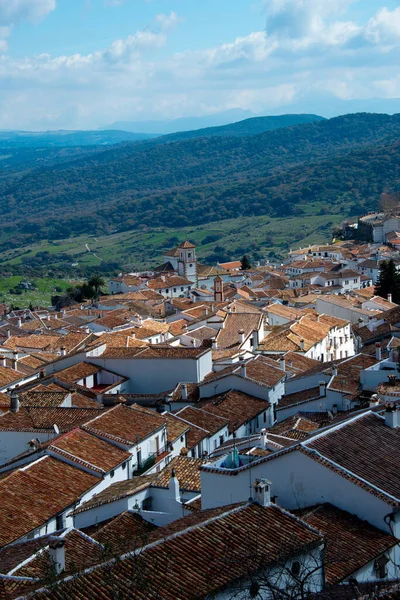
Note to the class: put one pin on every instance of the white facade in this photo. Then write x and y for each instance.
(155, 375)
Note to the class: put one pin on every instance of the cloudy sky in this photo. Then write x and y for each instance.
(87, 63)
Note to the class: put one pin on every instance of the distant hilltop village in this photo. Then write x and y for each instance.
(227, 431)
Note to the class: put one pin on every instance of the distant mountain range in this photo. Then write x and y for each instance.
(62, 138)
(183, 123)
(346, 161)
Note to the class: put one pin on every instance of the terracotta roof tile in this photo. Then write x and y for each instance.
(53, 486)
(187, 471)
(126, 425)
(237, 407)
(364, 447)
(211, 541)
(351, 542)
(85, 449)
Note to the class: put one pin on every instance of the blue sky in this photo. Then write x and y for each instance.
(86, 63)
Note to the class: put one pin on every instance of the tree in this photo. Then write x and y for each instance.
(388, 281)
(245, 263)
(96, 281)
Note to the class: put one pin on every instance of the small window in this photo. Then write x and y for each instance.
(221, 440)
(166, 291)
(112, 473)
(124, 465)
(381, 569)
(182, 289)
(355, 280)
(59, 522)
(295, 568)
(174, 289)
(182, 438)
(265, 417)
(190, 265)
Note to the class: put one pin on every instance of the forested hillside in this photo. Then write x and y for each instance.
(173, 184)
(251, 126)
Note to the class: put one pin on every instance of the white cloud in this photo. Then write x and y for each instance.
(308, 49)
(167, 22)
(384, 28)
(15, 11)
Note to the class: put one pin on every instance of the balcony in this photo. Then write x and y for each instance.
(150, 461)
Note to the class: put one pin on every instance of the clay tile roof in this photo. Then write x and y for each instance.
(44, 418)
(53, 486)
(364, 447)
(237, 407)
(187, 471)
(213, 539)
(126, 425)
(40, 342)
(43, 398)
(175, 427)
(228, 336)
(8, 376)
(78, 371)
(208, 422)
(87, 450)
(177, 327)
(117, 491)
(351, 542)
(186, 244)
(127, 531)
(298, 397)
(81, 552)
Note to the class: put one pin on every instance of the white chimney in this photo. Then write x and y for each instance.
(184, 391)
(371, 326)
(389, 297)
(63, 312)
(205, 311)
(334, 371)
(14, 360)
(392, 415)
(173, 487)
(282, 364)
(57, 553)
(243, 370)
(3, 361)
(378, 351)
(322, 388)
(374, 401)
(302, 345)
(14, 402)
(214, 344)
(19, 322)
(264, 438)
(8, 333)
(241, 336)
(63, 351)
(262, 492)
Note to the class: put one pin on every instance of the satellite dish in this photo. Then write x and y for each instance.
(56, 429)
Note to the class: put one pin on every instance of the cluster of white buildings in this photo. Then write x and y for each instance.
(192, 414)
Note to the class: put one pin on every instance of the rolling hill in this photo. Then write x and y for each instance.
(327, 167)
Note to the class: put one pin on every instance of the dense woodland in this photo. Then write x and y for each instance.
(175, 183)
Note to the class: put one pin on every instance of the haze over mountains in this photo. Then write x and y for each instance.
(348, 160)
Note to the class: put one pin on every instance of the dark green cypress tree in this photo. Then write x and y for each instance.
(245, 263)
(388, 281)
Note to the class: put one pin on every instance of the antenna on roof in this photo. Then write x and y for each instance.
(56, 429)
